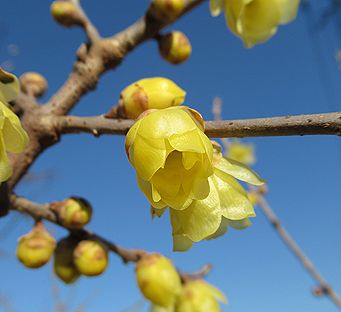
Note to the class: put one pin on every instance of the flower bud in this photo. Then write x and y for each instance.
(35, 248)
(90, 258)
(175, 47)
(158, 280)
(150, 93)
(33, 83)
(74, 212)
(64, 267)
(199, 296)
(65, 13)
(167, 10)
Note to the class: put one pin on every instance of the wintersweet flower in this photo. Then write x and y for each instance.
(226, 205)
(255, 21)
(199, 296)
(172, 157)
(150, 93)
(241, 152)
(13, 137)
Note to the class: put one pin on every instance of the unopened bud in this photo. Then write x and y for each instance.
(35, 248)
(175, 47)
(65, 13)
(158, 280)
(167, 10)
(150, 93)
(199, 296)
(33, 83)
(74, 212)
(90, 258)
(64, 267)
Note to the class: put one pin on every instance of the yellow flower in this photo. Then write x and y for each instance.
(255, 21)
(13, 137)
(226, 205)
(172, 157)
(150, 93)
(241, 152)
(158, 280)
(199, 296)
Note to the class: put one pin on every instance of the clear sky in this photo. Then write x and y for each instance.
(294, 73)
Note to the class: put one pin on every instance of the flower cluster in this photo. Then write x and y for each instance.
(13, 137)
(255, 21)
(161, 284)
(178, 167)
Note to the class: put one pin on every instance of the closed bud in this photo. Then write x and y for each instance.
(150, 93)
(158, 280)
(65, 13)
(167, 10)
(33, 83)
(175, 47)
(90, 258)
(35, 248)
(199, 296)
(64, 267)
(74, 212)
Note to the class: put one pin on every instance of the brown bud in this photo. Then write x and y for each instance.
(33, 83)
(175, 47)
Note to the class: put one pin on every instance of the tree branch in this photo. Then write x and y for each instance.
(329, 123)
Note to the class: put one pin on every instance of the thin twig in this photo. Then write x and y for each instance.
(324, 124)
(324, 287)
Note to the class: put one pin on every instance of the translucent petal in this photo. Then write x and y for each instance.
(9, 86)
(189, 159)
(130, 138)
(181, 243)
(165, 123)
(289, 9)
(202, 218)
(148, 156)
(240, 224)
(215, 7)
(239, 171)
(223, 227)
(234, 205)
(5, 166)
(187, 142)
(179, 202)
(146, 188)
(15, 137)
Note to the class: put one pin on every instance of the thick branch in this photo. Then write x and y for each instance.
(329, 123)
(324, 287)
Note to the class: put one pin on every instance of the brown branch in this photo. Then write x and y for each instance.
(329, 123)
(324, 287)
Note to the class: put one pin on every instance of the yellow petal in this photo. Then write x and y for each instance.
(146, 188)
(240, 224)
(223, 227)
(188, 142)
(289, 9)
(181, 243)
(215, 7)
(15, 137)
(9, 86)
(239, 171)
(148, 156)
(234, 204)
(5, 166)
(202, 218)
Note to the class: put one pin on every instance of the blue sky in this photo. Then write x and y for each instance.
(294, 73)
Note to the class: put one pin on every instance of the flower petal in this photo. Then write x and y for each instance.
(239, 171)
(289, 9)
(215, 7)
(240, 224)
(5, 166)
(9, 86)
(146, 188)
(181, 243)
